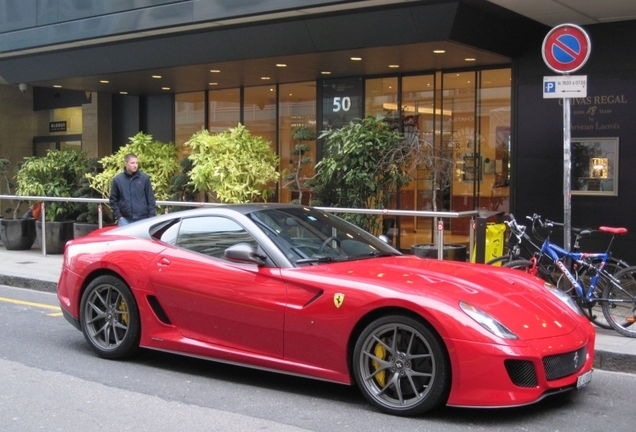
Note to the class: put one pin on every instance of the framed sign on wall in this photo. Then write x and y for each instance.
(594, 166)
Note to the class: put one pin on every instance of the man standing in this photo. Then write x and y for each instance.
(131, 196)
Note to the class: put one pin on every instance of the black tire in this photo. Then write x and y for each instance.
(501, 261)
(528, 267)
(620, 305)
(401, 366)
(109, 318)
(593, 310)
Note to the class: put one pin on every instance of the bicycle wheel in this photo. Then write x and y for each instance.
(499, 261)
(530, 268)
(592, 309)
(619, 302)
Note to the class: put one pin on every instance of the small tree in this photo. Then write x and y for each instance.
(299, 159)
(55, 175)
(367, 161)
(181, 188)
(233, 166)
(7, 172)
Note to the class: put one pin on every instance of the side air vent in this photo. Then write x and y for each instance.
(521, 372)
(158, 310)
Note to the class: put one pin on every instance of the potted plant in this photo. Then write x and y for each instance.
(87, 213)
(361, 168)
(15, 233)
(181, 189)
(157, 159)
(299, 159)
(233, 166)
(55, 175)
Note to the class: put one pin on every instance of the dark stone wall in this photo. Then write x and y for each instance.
(608, 111)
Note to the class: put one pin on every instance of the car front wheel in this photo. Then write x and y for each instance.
(401, 366)
(109, 318)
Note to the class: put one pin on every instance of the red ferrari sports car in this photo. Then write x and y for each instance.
(297, 290)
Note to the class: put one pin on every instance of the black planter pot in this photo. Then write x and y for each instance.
(57, 234)
(451, 252)
(80, 229)
(17, 234)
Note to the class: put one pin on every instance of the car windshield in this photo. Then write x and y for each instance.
(308, 235)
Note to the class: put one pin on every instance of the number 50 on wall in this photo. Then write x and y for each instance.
(341, 104)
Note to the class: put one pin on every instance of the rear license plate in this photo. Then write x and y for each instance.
(584, 379)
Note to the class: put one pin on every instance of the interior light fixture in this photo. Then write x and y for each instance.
(356, 58)
(439, 51)
(57, 86)
(215, 71)
(265, 78)
(104, 81)
(165, 88)
(325, 73)
(213, 84)
(281, 65)
(470, 59)
(156, 76)
(394, 66)
(123, 92)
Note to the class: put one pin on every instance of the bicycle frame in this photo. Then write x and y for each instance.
(558, 254)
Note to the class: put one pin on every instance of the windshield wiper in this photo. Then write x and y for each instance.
(318, 259)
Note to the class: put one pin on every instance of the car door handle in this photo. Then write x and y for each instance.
(164, 262)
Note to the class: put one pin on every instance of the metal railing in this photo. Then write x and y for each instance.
(477, 222)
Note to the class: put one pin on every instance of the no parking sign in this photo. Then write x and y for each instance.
(566, 48)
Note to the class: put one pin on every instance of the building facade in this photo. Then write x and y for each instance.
(466, 76)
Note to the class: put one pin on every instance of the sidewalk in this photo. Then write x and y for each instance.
(29, 269)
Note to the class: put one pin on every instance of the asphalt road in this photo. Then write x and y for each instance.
(51, 380)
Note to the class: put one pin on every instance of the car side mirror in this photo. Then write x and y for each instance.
(245, 253)
(385, 239)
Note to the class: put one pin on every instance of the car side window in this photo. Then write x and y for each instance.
(211, 235)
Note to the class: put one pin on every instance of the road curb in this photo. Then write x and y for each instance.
(34, 284)
(617, 362)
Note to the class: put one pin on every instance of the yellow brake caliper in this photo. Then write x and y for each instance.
(380, 352)
(124, 309)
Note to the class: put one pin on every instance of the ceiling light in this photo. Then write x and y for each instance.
(265, 78)
(213, 84)
(439, 51)
(356, 58)
(394, 66)
(165, 88)
(123, 92)
(281, 65)
(156, 76)
(470, 59)
(215, 70)
(325, 73)
(104, 81)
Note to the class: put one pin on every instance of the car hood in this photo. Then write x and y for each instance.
(517, 300)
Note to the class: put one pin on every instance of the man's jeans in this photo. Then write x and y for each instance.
(124, 221)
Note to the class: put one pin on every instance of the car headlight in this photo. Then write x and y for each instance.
(487, 322)
(569, 301)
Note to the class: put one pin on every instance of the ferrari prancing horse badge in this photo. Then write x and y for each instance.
(338, 299)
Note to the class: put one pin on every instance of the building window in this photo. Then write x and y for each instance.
(189, 116)
(224, 109)
(297, 108)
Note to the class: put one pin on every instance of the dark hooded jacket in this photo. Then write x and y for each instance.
(131, 196)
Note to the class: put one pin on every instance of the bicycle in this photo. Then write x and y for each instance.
(619, 302)
(590, 275)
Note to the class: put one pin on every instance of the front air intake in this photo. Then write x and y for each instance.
(521, 373)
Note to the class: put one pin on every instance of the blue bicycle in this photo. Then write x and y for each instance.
(587, 277)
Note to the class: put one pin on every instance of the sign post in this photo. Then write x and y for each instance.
(565, 49)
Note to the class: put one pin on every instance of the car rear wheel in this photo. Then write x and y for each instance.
(401, 366)
(109, 318)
